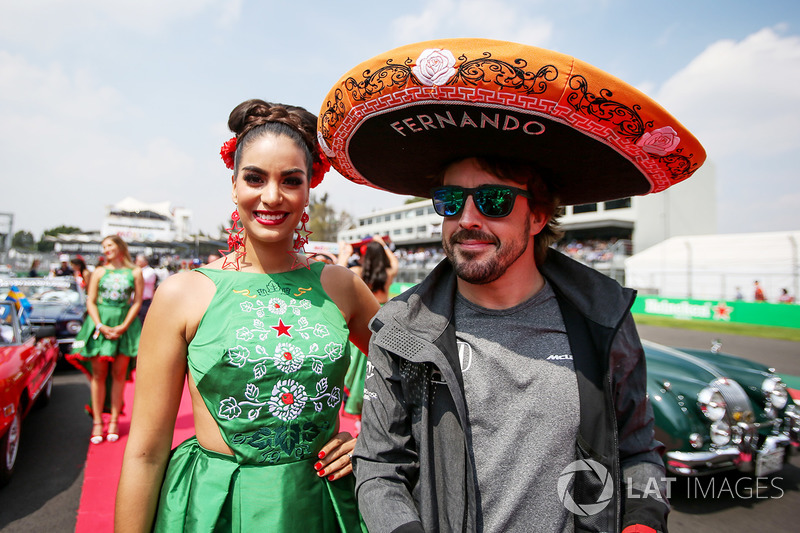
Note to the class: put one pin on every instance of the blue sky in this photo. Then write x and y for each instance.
(101, 100)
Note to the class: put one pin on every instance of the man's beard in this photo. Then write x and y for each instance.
(481, 272)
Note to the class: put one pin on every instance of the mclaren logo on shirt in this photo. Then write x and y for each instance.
(564, 357)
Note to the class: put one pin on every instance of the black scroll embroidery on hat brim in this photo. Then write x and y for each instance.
(678, 166)
(503, 74)
(625, 119)
(627, 122)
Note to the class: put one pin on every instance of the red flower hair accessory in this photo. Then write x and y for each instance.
(319, 169)
(227, 151)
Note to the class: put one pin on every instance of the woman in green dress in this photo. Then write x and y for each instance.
(109, 338)
(261, 336)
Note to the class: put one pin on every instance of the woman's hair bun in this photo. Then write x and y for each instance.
(253, 113)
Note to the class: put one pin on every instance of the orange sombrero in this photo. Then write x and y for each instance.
(396, 120)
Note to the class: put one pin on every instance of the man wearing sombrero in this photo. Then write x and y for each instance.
(506, 392)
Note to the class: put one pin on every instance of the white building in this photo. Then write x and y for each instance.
(410, 224)
(688, 208)
(718, 266)
(138, 221)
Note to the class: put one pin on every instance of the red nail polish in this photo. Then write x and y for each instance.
(317, 466)
(330, 478)
(321, 455)
(321, 473)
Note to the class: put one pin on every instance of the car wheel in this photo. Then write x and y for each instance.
(9, 445)
(44, 396)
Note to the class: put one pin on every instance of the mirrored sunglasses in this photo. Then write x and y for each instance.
(494, 201)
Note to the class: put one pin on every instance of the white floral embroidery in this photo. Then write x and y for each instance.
(288, 357)
(297, 306)
(229, 408)
(434, 66)
(320, 330)
(238, 356)
(288, 399)
(333, 397)
(334, 350)
(244, 334)
(277, 306)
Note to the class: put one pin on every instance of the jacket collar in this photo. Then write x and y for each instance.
(425, 311)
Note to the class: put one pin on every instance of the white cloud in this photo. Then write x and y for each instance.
(741, 96)
(67, 146)
(43, 24)
(490, 19)
(740, 99)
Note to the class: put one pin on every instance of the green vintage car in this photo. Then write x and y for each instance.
(716, 412)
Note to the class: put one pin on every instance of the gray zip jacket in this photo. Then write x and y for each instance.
(412, 467)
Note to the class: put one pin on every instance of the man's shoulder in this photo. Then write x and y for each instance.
(593, 293)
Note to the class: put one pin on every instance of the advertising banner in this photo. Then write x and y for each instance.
(762, 313)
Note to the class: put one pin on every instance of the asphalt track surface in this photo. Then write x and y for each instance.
(45, 491)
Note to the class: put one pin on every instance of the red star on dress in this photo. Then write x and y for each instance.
(282, 328)
(722, 311)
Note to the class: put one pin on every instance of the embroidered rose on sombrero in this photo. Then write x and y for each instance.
(434, 66)
(659, 142)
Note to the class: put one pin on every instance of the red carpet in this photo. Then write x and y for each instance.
(103, 463)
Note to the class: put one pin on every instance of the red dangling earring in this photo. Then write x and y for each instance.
(300, 240)
(236, 241)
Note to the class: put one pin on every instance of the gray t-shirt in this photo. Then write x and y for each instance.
(523, 412)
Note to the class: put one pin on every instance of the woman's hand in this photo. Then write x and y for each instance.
(335, 457)
(111, 333)
(345, 251)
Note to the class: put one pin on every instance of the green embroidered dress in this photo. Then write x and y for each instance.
(114, 293)
(269, 358)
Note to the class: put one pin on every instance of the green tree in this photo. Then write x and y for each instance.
(47, 246)
(23, 240)
(325, 222)
(415, 199)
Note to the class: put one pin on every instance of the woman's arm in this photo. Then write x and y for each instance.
(393, 262)
(345, 251)
(358, 305)
(354, 299)
(91, 296)
(160, 375)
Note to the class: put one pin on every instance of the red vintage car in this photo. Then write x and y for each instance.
(28, 357)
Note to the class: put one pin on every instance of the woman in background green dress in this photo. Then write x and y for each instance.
(261, 336)
(109, 338)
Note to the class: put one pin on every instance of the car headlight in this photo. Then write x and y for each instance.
(775, 392)
(720, 433)
(711, 403)
(73, 326)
